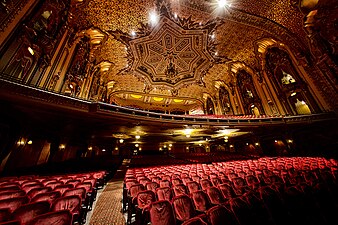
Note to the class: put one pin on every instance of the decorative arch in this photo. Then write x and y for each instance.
(248, 94)
(291, 89)
(225, 102)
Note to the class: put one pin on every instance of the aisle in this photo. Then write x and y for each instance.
(107, 210)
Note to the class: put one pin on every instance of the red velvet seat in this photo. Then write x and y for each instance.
(12, 187)
(143, 200)
(27, 212)
(164, 183)
(13, 203)
(29, 187)
(226, 191)
(5, 215)
(180, 189)
(183, 208)
(73, 182)
(30, 182)
(49, 196)
(164, 193)
(194, 221)
(193, 186)
(90, 193)
(215, 196)
(161, 213)
(152, 186)
(32, 193)
(201, 201)
(63, 217)
(220, 215)
(53, 184)
(12, 222)
(205, 184)
(12, 194)
(63, 188)
(176, 181)
(70, 203)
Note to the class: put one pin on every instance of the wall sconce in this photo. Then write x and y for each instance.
(62, 147)
(30, 142)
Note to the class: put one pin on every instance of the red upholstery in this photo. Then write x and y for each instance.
(53, 184)
(183, 207)
(193, 186)
(164, 183)
(63, 217)
(13, 222)
(226, 191)
(32, 193)
(49, 196)
(27, 212)
(14, 187)
(11, 194)
(161, 213)
(130, 183)
(73, 182)
(145, 198)
(164, 193)
(81, 192)
(215, 196)
(5, 215)
(176, 181)
(205, 184)
(195, 221)
(29, 187)
(135, 189)
(13, 203)
(180, 189)
(71, 203)
(152, 186)
(30, 182)
(220, 215)
(201, 201)
(63, 188)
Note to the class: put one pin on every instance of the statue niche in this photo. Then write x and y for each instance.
(292, 91)
(250, 99)
(224, 99)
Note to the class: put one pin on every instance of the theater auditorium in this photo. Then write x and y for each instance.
(168, 112)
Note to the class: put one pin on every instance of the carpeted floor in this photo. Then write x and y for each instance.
(107, 210)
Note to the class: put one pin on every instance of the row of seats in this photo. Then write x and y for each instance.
(276, 187)
(24, 198)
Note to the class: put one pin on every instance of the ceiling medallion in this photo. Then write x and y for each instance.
(175, 52)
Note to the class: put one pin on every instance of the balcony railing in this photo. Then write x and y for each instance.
(11, 88)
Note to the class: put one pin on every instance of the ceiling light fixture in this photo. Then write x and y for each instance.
(153, 17)
(121, 140)
(30, 142)
(137, 136)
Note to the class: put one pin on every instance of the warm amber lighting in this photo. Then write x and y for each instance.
(200, 144)
(137, 136)
(226, 140)
(30, 142)
(116, 148)
(170, 145)
(164, 146)
(103, 150)
(160, 149)
(90, 148)
(62, 146)
(31, 50)
(136, 96)
(158, 99)
(290, 141)
(178, 100)
(276, 141)
(121, 140)
(136, 145)
(231, 146)
(256, 143)
(293, 93)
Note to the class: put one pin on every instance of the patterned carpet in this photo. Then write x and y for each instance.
(108, 205)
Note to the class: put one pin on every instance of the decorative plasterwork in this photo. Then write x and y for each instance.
(175, 52)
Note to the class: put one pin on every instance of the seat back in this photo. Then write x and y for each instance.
(63, 188)
(220, 215)
(53, 184)
(145, 198)
(180, 189)
(201, 201)
(27, 212)
(135, 189)
(183, 207)
(29, 187)
(86, 185)
(215, 196)
(152, 186)
(49, 196)
(164, 193)
(193, 186)
(195, 221)
(63, 217)
(205, 184)
(161, 213)
(12, 194)
(81, 192)
(32, 193)
(71, 203)
(13, 203)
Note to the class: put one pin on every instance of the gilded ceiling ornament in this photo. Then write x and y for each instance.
(176, 51)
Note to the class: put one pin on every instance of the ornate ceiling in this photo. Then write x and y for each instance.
(188, 50)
